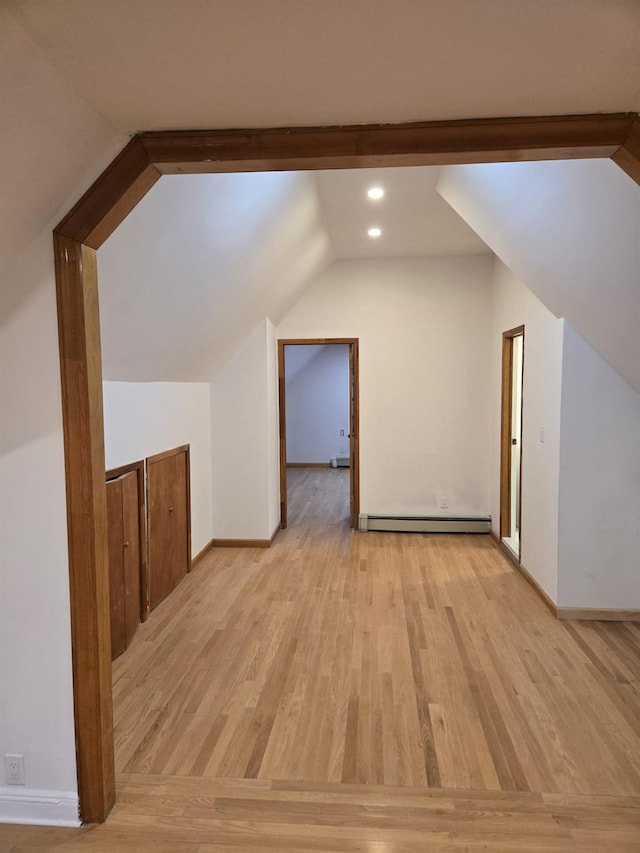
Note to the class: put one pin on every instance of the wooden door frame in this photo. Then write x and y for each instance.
(354, 421)
(95, 217)
(506, 419)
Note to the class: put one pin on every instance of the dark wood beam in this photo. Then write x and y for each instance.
(111, 198)
(81, 370)
(422, 143)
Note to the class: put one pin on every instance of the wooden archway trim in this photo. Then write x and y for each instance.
(99, 212)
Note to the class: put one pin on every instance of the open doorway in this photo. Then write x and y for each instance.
(511, 440)
(294, 357)
(98, 213)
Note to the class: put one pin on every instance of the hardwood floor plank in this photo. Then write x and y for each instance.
(349, 692)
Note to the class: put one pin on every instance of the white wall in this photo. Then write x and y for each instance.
(273, 428)
(424, 329)
(244, 440)
(599, 547)
(318, 404)
(570, 230)
(36, 698)
(144, 418)
(515, 305)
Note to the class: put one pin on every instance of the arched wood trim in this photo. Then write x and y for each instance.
(99, 212)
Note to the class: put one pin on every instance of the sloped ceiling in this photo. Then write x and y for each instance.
(238, 63)
(203, 258)
(571, 231)
(77, 77)
(200, 261)
(49, 138)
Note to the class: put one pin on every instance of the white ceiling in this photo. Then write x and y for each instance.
(76, 76)
(570, 231)
(415, 220)
(198, 264)
(199, 248)
(153, 64)
(49, 138)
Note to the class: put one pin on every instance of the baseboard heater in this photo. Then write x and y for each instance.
(340, 462)
(425, 524)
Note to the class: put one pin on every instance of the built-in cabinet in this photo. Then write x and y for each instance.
(125, 543)
(167, 522)
(149, 539)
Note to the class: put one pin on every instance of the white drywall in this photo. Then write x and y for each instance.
(273, 428)
(318, 404)
(244, 440)
(285, 63)
(49, 138)
(515, 305)
(424, 328)
(199, 262)
(599, 547)
(144, 418)
(570, 231)
(53, 137)
(36, 698)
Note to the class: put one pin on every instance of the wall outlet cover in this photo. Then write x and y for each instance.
(14, 769)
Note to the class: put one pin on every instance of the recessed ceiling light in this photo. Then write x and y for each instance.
(374, 232)
(375, 193)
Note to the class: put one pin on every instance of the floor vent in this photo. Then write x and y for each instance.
(425, 524)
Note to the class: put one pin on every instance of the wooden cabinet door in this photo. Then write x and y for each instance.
(168, 522)
(116, 566)
(131, 554)
(123, 524)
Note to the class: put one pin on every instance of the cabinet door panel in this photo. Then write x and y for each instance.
(131, 554)
(180, 520)
(167, 485)
(116, 567)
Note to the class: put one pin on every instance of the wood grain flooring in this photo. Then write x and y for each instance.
(376, 692)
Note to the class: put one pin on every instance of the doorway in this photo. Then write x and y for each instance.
(511, 440)
(99, 212)
(352, 437)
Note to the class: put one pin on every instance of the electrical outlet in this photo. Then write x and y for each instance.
(14, 769)
(444, 501)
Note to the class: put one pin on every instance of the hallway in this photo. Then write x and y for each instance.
(277, 683)
(378, 659)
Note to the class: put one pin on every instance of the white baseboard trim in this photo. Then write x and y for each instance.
(38, 808)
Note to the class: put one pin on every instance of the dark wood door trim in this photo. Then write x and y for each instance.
(99, 212)
(354, 441)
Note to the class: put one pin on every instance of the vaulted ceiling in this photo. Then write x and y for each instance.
(571, 231)
(203, 258)
(233, 63)
(77, 77)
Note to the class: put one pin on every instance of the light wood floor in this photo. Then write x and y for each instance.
(370, 692)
